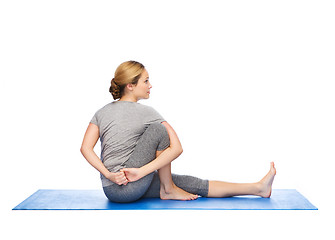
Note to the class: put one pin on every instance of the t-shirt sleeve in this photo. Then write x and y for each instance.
(94, 120)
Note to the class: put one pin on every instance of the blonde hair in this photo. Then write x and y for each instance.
(127, 72)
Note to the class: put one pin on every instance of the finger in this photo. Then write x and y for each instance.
(123, 172)
(126, 176)
(118, 175)
(122, 180)
(125, 181)
(121, 177)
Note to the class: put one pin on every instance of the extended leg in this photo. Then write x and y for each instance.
(225, 189)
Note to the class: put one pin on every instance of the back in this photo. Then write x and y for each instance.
(121, 124)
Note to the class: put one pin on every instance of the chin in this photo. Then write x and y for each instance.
(144, 97)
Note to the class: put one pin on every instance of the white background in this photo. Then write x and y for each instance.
(243, 83)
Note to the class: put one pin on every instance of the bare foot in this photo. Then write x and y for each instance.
(266, 182)
(176, 193)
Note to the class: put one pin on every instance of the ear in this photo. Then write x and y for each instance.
(130, 86)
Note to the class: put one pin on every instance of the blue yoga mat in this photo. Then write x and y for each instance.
(281, 199)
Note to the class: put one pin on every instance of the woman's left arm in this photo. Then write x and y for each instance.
(90, 139)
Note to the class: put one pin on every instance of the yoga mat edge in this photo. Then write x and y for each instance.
(52, 199)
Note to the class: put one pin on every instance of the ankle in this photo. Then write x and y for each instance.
(259, 187)
(167, 187)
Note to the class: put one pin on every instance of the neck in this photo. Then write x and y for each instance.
(128, 98)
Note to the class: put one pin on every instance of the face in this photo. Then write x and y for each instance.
(142, 89)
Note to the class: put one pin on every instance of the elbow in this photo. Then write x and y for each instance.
(176, 151)
(179, 150)
(83, 150)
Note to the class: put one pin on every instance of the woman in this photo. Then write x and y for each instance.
(138, 146)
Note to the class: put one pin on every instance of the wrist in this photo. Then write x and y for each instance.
(109, 175)
(144, 171)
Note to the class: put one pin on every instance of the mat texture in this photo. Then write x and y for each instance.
(281, 199)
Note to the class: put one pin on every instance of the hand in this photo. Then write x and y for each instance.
(118, 178)
(132, 174)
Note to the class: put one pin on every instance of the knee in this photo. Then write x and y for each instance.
(157, 127)
(160, 130)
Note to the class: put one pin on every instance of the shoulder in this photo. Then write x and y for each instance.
(146, 108)
(104, 110)
(106, 107)
(150, 113)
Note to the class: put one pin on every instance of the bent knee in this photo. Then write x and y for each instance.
(157, 126)
(158, 131)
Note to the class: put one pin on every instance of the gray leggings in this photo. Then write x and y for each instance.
(155, 138)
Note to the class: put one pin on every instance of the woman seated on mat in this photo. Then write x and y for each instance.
(138, 146)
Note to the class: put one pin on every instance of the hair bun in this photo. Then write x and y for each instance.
(115, 89)
(127, 73)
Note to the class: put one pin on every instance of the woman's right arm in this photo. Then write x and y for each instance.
(90, 139)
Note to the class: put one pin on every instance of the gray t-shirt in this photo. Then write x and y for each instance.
(121, 125)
